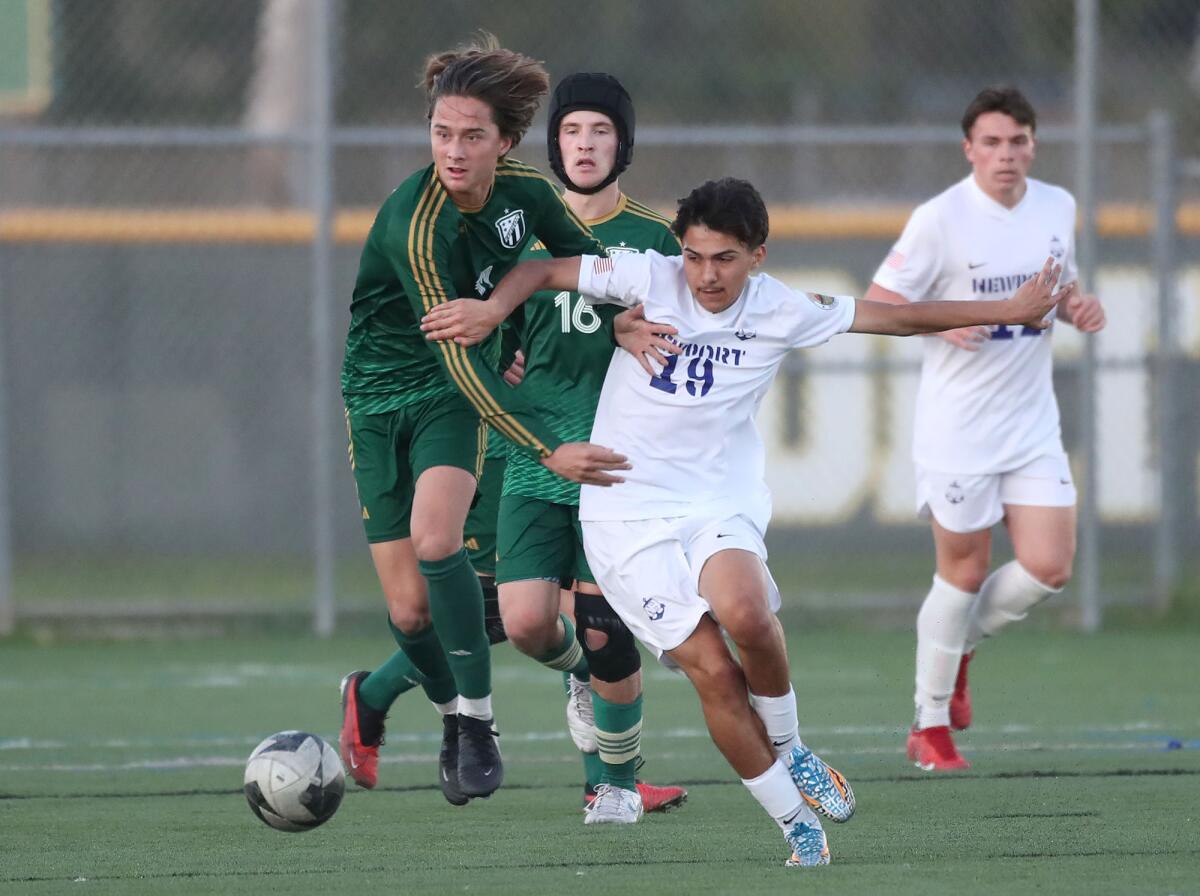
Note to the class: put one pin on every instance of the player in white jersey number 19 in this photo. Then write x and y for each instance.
(699, 558)
(986, 440)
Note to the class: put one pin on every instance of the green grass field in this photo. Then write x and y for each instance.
(122, 771)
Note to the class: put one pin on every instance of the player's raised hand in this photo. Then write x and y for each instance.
(968, 338)
(465, 321)
(1085, 313)
(586, 463)
(516, 370)
(644, 339)
(1032, 302)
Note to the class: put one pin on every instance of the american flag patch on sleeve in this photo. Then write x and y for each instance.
(895, 260)
(602, 266)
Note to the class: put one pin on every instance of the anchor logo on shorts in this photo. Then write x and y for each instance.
(654, 609)
(954, 494)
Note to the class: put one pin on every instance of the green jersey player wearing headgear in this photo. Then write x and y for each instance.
(567, 348)
(415, 410)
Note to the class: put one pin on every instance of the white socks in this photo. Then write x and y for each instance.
(941, 631)
(478, 708)
(448, 709)
(776, 792)
(779, 717)
(1007, 595)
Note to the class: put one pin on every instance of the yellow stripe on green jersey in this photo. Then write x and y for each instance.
(423, 250)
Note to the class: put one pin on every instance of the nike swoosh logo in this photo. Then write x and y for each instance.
(353, 764)
(977, 264)
(488, 773)
(723, 535)
(780, 743)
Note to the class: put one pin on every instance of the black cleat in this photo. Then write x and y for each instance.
(480, 771)
(448, 762)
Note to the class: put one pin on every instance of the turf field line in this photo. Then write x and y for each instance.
(1095, 854)
(20, 742)
(690, 782)
(192, 762)
(237, 791)
(639, 861)
(1002, 815)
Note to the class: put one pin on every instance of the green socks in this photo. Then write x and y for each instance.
(593, 769)
(456, 605)
(619, 734)
(423, 653)
(398, 675)
(567, 656)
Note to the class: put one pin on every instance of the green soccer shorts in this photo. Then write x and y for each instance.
(479, 532)
(538, 539)
(389, 452)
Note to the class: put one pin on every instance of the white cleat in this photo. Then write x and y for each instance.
(614, 805)
(581, 718)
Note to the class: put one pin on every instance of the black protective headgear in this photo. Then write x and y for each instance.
(597, 92)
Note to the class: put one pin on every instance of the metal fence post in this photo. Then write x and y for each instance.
(1162, 190)
(323, 417)
(8, 609)
(1086, 53)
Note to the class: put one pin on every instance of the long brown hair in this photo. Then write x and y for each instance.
(511, 84)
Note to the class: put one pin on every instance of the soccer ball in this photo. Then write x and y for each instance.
(294, 781)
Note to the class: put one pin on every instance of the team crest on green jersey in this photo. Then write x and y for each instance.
(614, 251)
(511, 229)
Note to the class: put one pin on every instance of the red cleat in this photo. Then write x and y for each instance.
(933, 750)
(361, 735)
(654, 798)
(960, 703)
(661, 799)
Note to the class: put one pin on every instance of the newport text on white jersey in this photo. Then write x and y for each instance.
(689, 432)
(993, 410)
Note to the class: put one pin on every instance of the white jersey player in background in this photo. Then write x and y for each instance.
(986, 441)
(678, 544)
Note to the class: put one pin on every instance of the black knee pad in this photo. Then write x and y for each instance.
(491, 610)
(619, 657)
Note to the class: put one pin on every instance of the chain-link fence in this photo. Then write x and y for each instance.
(184, 188)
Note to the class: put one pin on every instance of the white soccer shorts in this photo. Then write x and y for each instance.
(649, 570)
(964, 503)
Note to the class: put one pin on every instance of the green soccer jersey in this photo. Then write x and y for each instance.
(423, 250)
(568, 344)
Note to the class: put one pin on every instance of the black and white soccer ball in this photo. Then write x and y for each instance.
(294, 781)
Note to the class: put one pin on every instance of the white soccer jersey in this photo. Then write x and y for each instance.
(992, 410)
(690, 432)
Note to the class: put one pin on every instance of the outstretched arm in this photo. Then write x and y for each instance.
(469, 321)
(1028, 306)
(969, 338)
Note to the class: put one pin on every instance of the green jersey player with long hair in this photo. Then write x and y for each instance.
(415, 411)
